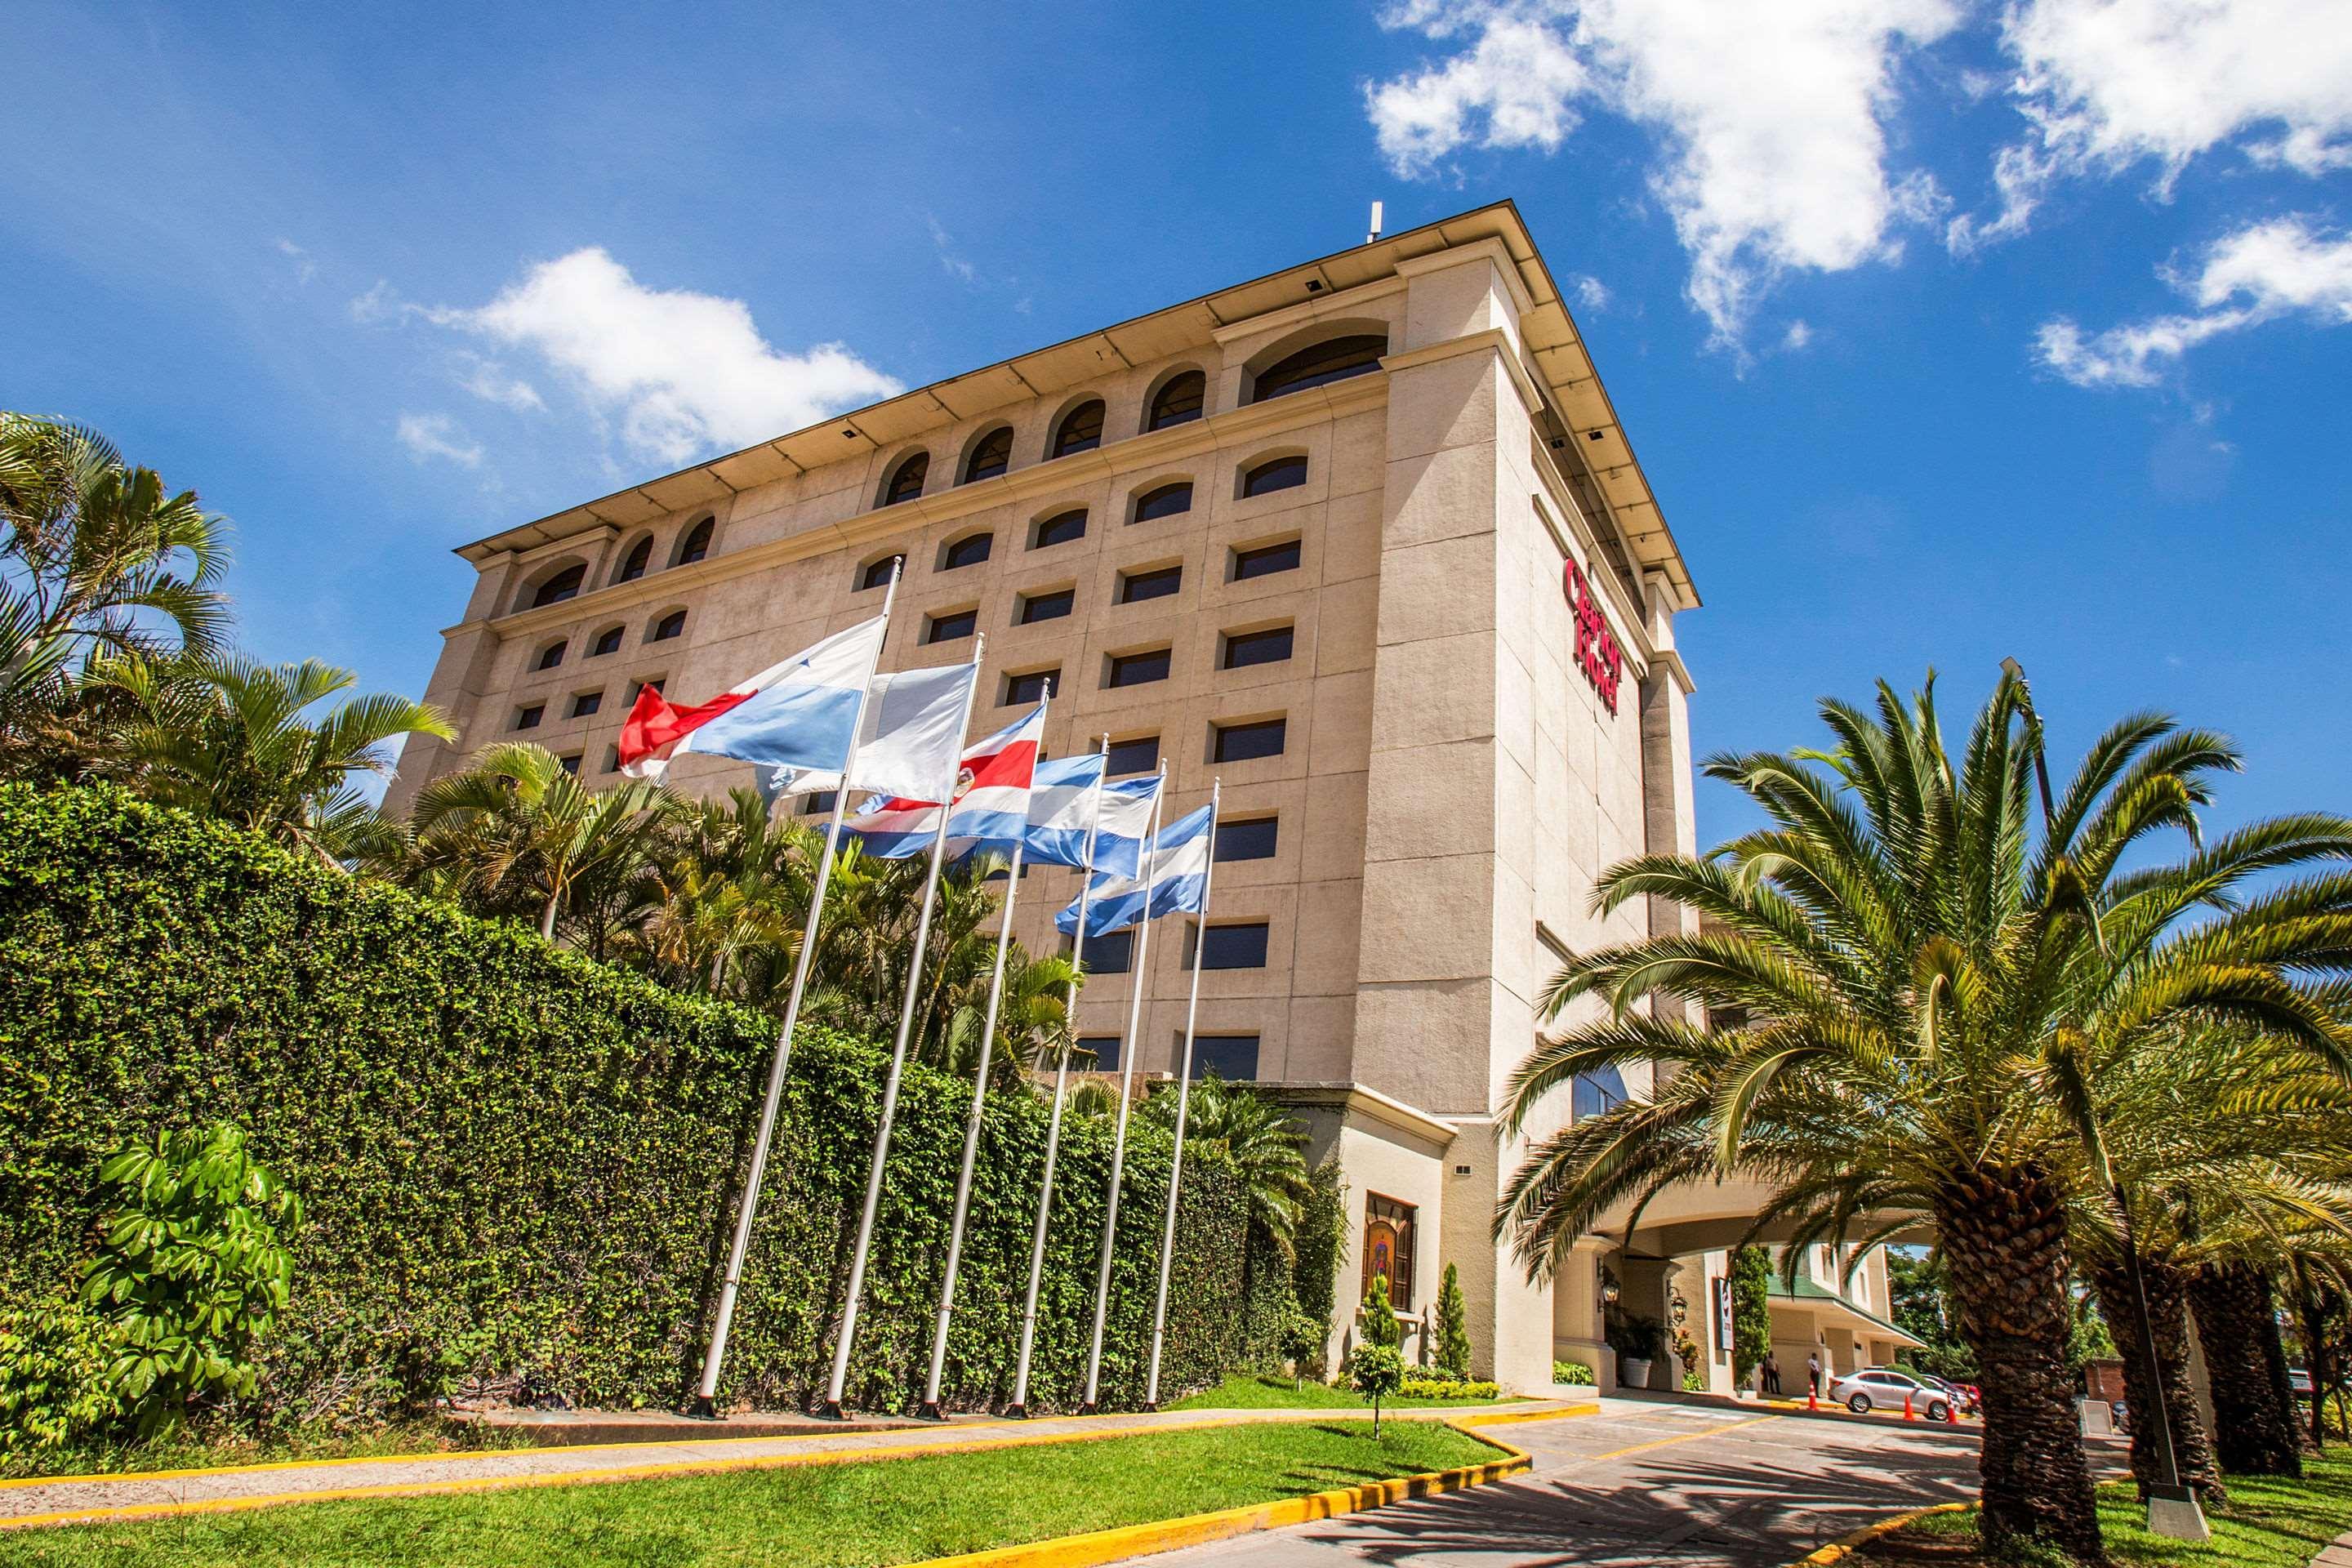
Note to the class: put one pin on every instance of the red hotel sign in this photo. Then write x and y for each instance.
(1597, 653)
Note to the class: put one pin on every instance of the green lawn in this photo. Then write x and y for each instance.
(854, 1516)
(1255, 1391)
(2269, 1525)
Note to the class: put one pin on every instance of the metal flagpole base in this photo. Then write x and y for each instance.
(1088, 1408)
(831, 1410)
(1151, 1407)
(703, 1409)
(931, 1411)
(1016, 1412)
(2173, 1512)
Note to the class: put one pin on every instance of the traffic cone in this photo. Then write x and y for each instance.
(1812, 1399)
(1907, 1406)
(1951, 1415)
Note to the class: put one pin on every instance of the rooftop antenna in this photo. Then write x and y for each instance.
(1376, 224)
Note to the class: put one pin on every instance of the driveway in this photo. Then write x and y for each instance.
(1643, 1483)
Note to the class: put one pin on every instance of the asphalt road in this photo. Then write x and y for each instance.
(1643, 1484)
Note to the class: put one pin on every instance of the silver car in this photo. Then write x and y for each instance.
(1865, 1391)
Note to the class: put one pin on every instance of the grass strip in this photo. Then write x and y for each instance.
(856, 1516)
(1255, 1391)
(222, 1450)
(2270, 1523)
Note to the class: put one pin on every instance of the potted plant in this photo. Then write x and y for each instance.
(1635, 1338)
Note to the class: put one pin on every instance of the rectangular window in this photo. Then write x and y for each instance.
(1388, 1248)
(612, 758)
(586, 703)
(1252, 839)
(1060, 530)
(1137, 669)
(819, 804)
(571, 764)
(1105, 1048)
(1134, 587)
(1110, 952)
(951, 625)
(1245, 648)
(1228, 946)
(1233, 1058)
(1139, 755)
(1266, 560)
(529, 717)
(1052, 606)
(1029, 686)
(1240, 743)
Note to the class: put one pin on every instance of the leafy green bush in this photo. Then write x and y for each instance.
(1302, 1345)
(1751, 1311)
(56, 1389)
(1572, 1373)
(1461, 1388)
(1377, 1372)
(520, 1166)
(1318, 1245)
(1694, 1381)
(1378, 1317)
(1453, 1326)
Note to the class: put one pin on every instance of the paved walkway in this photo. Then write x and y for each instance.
(1643, 1483)
(29, 1502)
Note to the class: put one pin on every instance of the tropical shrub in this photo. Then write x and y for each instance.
(1751, 1311)
(1379, 1316)
(1453, 1326)
(1462, 1388)
(1319, 1244)
(1572, 1373)
(1377, 1372)
(57, 1390)
(1302, 1345)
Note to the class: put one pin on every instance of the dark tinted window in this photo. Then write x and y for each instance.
(669, 625)
(1105, 1048)
(878, 574)
(1110, 954)
(1139, 755)
(1230, 947)
(1138, 668)
(697, 544)
(1157, 584)
(529, 717)
(1079, 431)
(1269, 647)
(990, 458)
(1053, 607)
(907, 480)
(640, 556)
(1233, 1058)
(1240, 743)
(570, 764)
(1250, 840)
(612, 758)
(1282, 474)
(953, 624)
(967, 552)
(586, 703)
(1179, 402)
(1060, 530)
(551, 656)
(1166, 502)
(1266, 560)
(1029, 687)
(820, 803)
(1324, 363)
(607, 641)
(565, 585)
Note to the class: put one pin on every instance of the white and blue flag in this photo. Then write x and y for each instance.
(990, 806)
(1063, 806)
(910, 739)
(1176, 874)
(798, 713)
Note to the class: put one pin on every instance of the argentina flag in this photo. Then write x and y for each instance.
(1176, 874)
(1064, 805)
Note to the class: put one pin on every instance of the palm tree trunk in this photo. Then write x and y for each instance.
(547, 918)
(2253, 1424)
(2168, 1311)
(2004, 1233)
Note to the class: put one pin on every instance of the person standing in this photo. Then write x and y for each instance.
(1771, 1374)
(1813, 1374)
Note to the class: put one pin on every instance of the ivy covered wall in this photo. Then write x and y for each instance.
(519, 1166)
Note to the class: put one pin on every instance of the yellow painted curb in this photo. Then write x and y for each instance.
(1843, 1547)
(1103, 1546)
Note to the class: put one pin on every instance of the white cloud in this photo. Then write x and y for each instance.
(955, 266)
(1772, 118)
(488, 379)
(2261, 273)
(2107, 85)
(684, 373)
(379, 303)
(1591, 292)
(429, 435)
(304, 267)
(1797, 336)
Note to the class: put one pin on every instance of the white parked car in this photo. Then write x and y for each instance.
(1884, 1386)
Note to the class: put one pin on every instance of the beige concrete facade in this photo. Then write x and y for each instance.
(1449, 782)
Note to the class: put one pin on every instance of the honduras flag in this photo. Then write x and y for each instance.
(1065, 804)
(797, 714)
(992, 800)
(1176, 872)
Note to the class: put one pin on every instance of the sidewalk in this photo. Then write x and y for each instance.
(77, 1498)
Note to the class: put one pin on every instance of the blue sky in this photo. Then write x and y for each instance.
(1945, 332)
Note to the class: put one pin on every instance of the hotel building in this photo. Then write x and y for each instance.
(1365, 539)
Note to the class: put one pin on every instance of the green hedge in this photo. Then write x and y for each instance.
(519, 1166)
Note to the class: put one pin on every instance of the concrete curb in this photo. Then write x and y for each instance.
(1844, 1546)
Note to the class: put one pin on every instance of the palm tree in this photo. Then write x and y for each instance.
(226, 737)
(1032, 1019)
(516, 825)
(1923, 982)
(1267, 1147)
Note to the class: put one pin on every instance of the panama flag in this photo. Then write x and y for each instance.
(800, 714)
(992, 800)
(1176, 872)
(1063, 807)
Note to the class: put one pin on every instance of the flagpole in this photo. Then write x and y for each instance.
(1141, 969)
(1019, 1409)
(930, 1409)
(840, 1378)
(706, 1393)
(1183, 1104)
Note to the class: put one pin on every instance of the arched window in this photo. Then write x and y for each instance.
(969, 551)
(1079, 431)
(1060, 529)
(669, 625)
(552, 654)
(633, 564)
(1179, 402)
(565, 585)
(1335, 359)
(1166, 500)
(992, 456)
(696, 542)
(876, 574)
(907, 480)
(607, 641)
(1281, 474)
